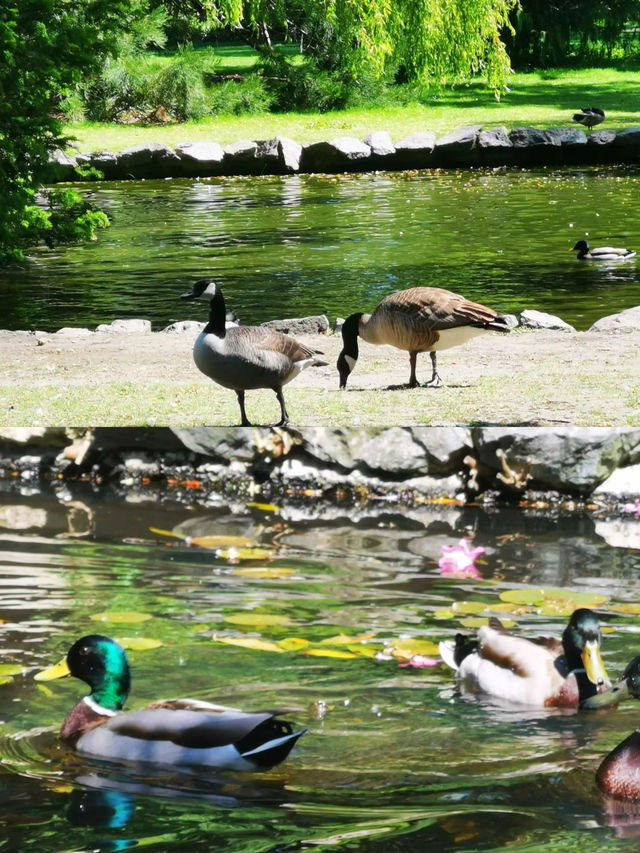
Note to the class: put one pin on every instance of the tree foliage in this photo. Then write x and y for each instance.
(431, 40)
(46, 46)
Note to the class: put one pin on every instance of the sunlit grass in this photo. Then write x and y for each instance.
(540, 99)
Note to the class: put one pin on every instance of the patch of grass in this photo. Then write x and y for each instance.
(539, 99)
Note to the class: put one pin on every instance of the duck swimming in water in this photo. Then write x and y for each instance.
(183, 732)
(603, 253)
(543, 672)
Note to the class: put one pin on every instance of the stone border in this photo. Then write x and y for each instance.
(587, 465)
(463, 148)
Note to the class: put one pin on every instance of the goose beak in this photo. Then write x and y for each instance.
(53, 672)
(594, 667)
(188, 295)
(613, 696)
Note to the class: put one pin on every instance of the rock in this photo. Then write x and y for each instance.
(149, 160)
(445, 447)
(105, 162)
(627, 320)
(345, 153)
(125, 326)
(458, 147)
(240, 158)
(601, 137)
(575, 459)
(531, 319)
(289, 153)
(184, 326)
(72, 330)
(532, 146)
(494, 147)
(35, 436)
(415, 151)
(628, 138)
(300, 325)
(380, 143)
(61, 167)
(225, 443)
(623, 483)
(201, 158)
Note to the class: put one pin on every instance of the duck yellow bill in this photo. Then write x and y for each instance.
(53, 672)
(596, 673)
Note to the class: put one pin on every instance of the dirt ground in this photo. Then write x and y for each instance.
(527, 377)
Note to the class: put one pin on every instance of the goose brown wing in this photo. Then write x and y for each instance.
(262, 337)
(436, 308)
(192, 729)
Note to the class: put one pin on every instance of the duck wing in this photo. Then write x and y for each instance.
(609, 252)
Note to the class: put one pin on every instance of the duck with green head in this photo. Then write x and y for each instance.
(170, 732)
(543, 672)
(619, 773)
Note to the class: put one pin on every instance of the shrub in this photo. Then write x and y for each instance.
(248, 96)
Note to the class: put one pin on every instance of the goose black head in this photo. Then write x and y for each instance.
(205, 289)
(349, 354)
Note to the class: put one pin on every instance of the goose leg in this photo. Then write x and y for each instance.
(435, 381)
(413, 380)
(284, 419)
(243, 414)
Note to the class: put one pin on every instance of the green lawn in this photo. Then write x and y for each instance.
(540, 99)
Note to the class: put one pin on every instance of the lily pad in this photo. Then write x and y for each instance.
(238, 554)
(249, 643)
(329, 653)
(405, 649)
(444, 613)
(345, 639)
(264, 572)
(583, 599)
(468, 607)
(479, 621)
(628, 607)
(10, 669)
(522, 596)
(264, 507)
(293, 644)
(121, 617)
(139, 644)
(253, 618)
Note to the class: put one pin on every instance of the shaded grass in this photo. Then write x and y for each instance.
(540, 99)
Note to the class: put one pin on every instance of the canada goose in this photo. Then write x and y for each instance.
(170, 731)
(589, 117)
(603, 253)
(541, 672)
(246, 357)
(420, 319)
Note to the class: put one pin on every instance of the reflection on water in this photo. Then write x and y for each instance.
(337, 244)
(395, 758)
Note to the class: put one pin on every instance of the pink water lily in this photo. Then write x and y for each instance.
(459, 559)
(421, 660)
(634, 508)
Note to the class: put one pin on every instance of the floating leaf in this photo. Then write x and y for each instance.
(444, 613)
(252, 618)
(405, 649)
(293, 644)
(584, 599)
(345, 639)
(369, 651)
(506, 607)
(329, 653)
(237, 555)
(264, 507)
(468, 607)
(11, 668)
(263, 572)
(627, 607)
(249, 643)
(121, 617)
(522, 596)
(139, 644)
(223, 542)
(161, 532)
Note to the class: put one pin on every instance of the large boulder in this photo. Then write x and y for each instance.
(201, 158)
(415, 151)
(494, 147)
(626, 321)
(458, 148)
(343, 154)
(149, 160)
(317, 324)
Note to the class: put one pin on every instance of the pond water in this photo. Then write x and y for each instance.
(394, 759)
(293, 246)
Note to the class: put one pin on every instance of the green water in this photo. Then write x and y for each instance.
(394, 760)
(335, 244)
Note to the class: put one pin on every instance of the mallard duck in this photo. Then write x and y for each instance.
(184, 732)
(603, 253)
(618, 774)
(589, 117)
(544, 672)
(420, 319)
(244, 358)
